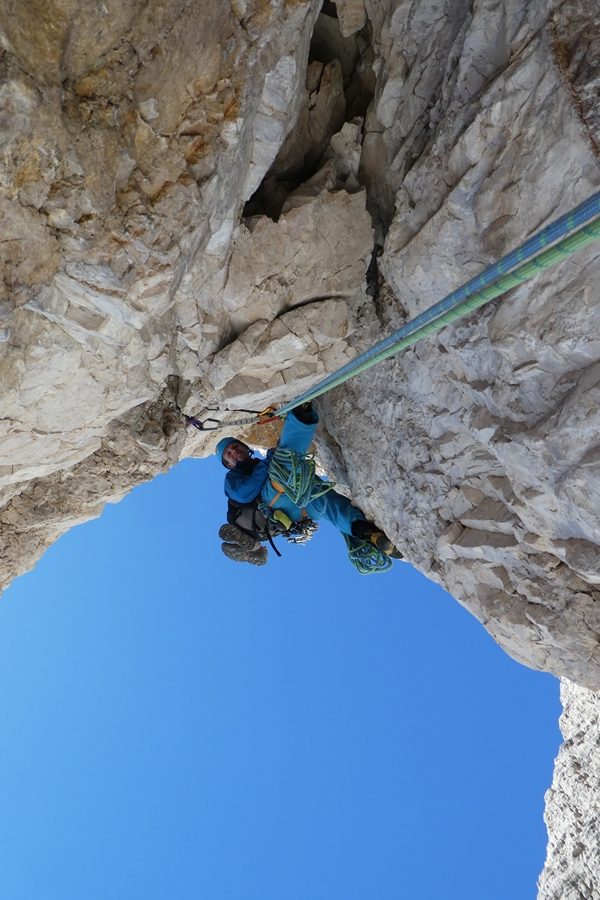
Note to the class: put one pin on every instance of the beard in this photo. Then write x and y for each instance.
(246, 465)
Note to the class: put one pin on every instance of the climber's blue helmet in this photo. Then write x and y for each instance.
(223, 445)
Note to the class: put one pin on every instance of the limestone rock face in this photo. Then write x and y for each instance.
(212, 205)
(210, 217)
(572, 869)
(491, 428)
(131, 136)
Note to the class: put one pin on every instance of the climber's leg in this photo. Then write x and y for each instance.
(337, 509)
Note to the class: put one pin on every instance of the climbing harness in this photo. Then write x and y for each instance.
(263, 524)
(568, 234)
(254, 520)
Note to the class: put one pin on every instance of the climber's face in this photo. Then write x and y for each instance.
(234, 453)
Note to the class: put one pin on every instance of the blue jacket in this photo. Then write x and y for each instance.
(244, 484)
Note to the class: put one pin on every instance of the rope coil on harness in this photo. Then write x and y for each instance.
(295, 475)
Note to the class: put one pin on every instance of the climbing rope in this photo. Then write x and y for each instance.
(472, 295)
(295, 474)
(365, 557)
(568, 234)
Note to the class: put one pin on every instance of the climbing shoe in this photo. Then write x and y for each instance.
(238, 554)
(367, 531)
(234, 535)
(380, 540)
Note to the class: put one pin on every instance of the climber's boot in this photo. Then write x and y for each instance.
(380, 540)
(368, 531)
(234, 535)
(238, 554)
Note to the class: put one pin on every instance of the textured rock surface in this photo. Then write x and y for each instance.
(500, 410)
(572, 870)
(219, 203)
(131, 136)
(129, 258)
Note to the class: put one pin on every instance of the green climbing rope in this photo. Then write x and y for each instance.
(296, 475)
(571, 232)
(365, 557)
(387, 348)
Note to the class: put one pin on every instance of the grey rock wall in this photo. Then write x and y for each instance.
(572, 870)
(131, 136)
(490, 479)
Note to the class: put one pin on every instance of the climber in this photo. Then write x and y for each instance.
(250, 480)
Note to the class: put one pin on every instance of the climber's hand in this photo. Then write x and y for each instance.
(305, 413)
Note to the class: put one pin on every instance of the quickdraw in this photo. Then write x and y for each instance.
(210, 424)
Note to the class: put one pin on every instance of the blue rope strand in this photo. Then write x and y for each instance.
(571, 221)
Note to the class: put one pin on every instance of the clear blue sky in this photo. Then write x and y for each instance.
(178, 726)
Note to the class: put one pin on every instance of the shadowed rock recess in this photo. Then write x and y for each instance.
(220, 203)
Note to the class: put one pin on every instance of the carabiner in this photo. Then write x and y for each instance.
(202, 426)
(266, 415)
